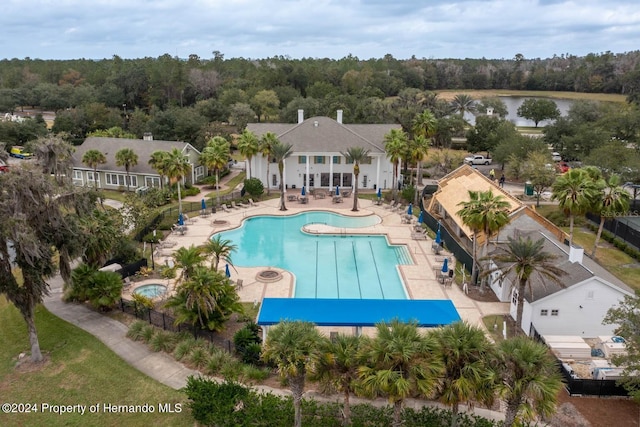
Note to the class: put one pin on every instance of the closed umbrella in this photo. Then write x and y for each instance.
(181, 219)
(420, 218)
(303, 192)
(438, 237)
(203, 205)
(337, 190)
(379, 193)
(410, 210)
(445, 266)
(227, 272)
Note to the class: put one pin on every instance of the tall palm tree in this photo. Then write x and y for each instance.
(528, 380)
(267, 142)
(219, 249)
(355, 155)
(158, 161)
(425, 125)
(466, 353)
(484, 212)
(401, 362)
(524, 259)
(612, 198)
(249, 146)
(395, 144)
(280, 152)
(576, 192)
(462, 103)
(188, 259)
(215, 156)
(176, 167)
(128, 158)
(337, 364)
(418, 148)
(94, 158)
(292, 347)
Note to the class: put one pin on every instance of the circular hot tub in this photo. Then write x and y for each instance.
(152, 290)
(267, 276)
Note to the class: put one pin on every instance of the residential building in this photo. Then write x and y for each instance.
(316, 160)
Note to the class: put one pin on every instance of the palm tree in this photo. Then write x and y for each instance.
(483, 212)
(188, 259)
(355, 155)
(575, 191)
(465, 352)
(215, 156)
(395, 144)
(292, 347)
(267, 142)
(158, 161)
(425, 125)
(528, 379)
(55, 155)
(523, 259)
(337, 365)
(176, 166)
(219, 249)
(249, 146)
(417, 150)
(401, 363)
(612, 198)
(105, 289)
(128, 158)
(462, 103)
(280, 152)
(94, 158)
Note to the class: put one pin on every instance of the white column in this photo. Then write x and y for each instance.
(284, 176)
(306, 181)
(330, 172)
(378, 172)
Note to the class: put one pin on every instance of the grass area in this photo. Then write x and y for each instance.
(113, 194)
(448, 95)
(231, 185)
(80, 371)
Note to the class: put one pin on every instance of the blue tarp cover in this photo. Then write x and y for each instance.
(357, 312)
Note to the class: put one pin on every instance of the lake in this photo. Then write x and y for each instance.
(514, 102)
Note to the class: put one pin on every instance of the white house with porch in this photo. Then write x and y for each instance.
(316, 160)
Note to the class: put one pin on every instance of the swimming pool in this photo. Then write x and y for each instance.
(151, 291)
(325, 266)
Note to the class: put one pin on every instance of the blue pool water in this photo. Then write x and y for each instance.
(151, 291)
(325, 266)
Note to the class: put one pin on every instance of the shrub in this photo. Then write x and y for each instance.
(254, 373)
(105, 289)
(247, 343)
(198, 357)
(208, 180)
(147, 333)
(254, 187)
(190, 191)
(218, 359)
(408, 193)
(232, 370)
(183, 348)
(163, 341)
(156, 197)
(142, 303)
(135, 330)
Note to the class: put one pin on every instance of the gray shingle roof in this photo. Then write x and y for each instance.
(109, 147)
(323, 134)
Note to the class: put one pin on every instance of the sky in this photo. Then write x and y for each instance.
(433, 29)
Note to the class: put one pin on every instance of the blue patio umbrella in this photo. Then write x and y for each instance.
(203, 204)
(379, 193)
(438, 237)
(420, 218)
(410, 210)
(303, 192)
(227, 272)
(445, 265)
(180, 219)
(337, 190)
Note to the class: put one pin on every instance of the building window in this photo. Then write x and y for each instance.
(544, 312)
(348, 161)
(274, 179)
(554, 312)
(77, 175)
(91, 177)
(120, 180)
(302, 160)
(199, 172)
(337, 160)
(152, 181)
(318, 160)
(366, 161)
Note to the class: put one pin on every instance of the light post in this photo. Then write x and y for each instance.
(153, 264)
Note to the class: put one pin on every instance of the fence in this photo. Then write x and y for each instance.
(589, 387)
(450, 242)
(625, 228)
(168, 323)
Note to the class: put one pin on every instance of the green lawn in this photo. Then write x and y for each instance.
(80, 371)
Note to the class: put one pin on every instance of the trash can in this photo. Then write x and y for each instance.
(528, 188)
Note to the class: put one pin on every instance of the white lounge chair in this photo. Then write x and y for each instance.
(225, 208)
(391, 205)
(234, 206)
(252, 203)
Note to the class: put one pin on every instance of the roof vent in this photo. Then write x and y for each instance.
(315, 123)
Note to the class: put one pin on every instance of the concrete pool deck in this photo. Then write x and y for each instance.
(420, 279)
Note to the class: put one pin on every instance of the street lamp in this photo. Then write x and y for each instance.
(153, 264)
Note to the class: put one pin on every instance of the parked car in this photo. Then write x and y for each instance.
(4, 167)
(562, 167)
(556, 157)
(18, 152)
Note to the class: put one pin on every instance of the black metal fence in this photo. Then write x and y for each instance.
(450, 242)
(589, 387)
(168, 323)
(623, 228)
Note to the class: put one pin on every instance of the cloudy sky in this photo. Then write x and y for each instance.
(96, 29)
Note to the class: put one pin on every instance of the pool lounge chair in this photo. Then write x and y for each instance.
(239, 283)
(252, 203)
(225, 208)
(243, 205)
(398, 207)
(391, 205)
(234, 206)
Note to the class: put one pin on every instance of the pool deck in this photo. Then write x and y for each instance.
(420, 279)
